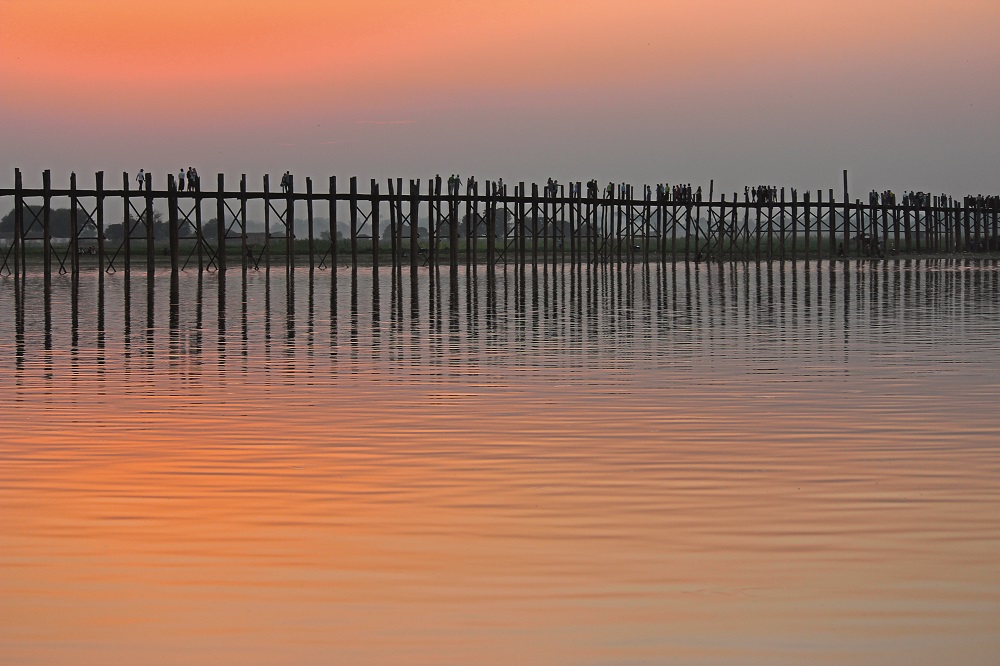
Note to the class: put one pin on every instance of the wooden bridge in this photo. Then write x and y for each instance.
(469, 224)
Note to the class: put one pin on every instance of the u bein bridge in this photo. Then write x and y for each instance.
(491, 226)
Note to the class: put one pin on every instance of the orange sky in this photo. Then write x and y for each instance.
(787, 91)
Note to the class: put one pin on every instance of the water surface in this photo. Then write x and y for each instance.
(774, 464)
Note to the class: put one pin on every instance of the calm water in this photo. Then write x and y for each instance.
(714, 465)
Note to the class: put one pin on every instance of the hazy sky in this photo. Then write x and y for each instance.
(903, 94)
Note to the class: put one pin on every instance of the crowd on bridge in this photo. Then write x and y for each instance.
(684, 193)
(762, 193)
(910, 199)
(190, 178)
(989, 202)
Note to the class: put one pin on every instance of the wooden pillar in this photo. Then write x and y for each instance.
(673, 231)
(332, 203)
(520, 217)
(745, 250)
(414, 223)
(758, 232)
(490, 216)
(884, 214)
(588, 237)
(353, 202)
(925, 208)
(267, 223)
(399, 224)
(290, 223)
(574, 224)
(906, 225)
(934, 241)
(47, 222)
(807, 222)
(951, 226)
(99, 187)
(127, 224)
(221, 226)
(309, 221)
(832, 224)
(734, 228)
(471, 222)
(687, 231)
(708, 232)
(375, 223)
(243, 223)
(199, 235)
(896, 237)
(996, 224)
(647, 225)
(19, 245)
(859, 225)
(847, 216)
(782, 226)
(534, 224)
(623, 240)
(74, 235)
(966, 226)
(661, 236)
(173, 225)
(431, 221)
(393, 226)
(453, 226)
(150, 237)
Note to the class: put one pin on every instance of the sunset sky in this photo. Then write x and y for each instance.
(904, 95)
